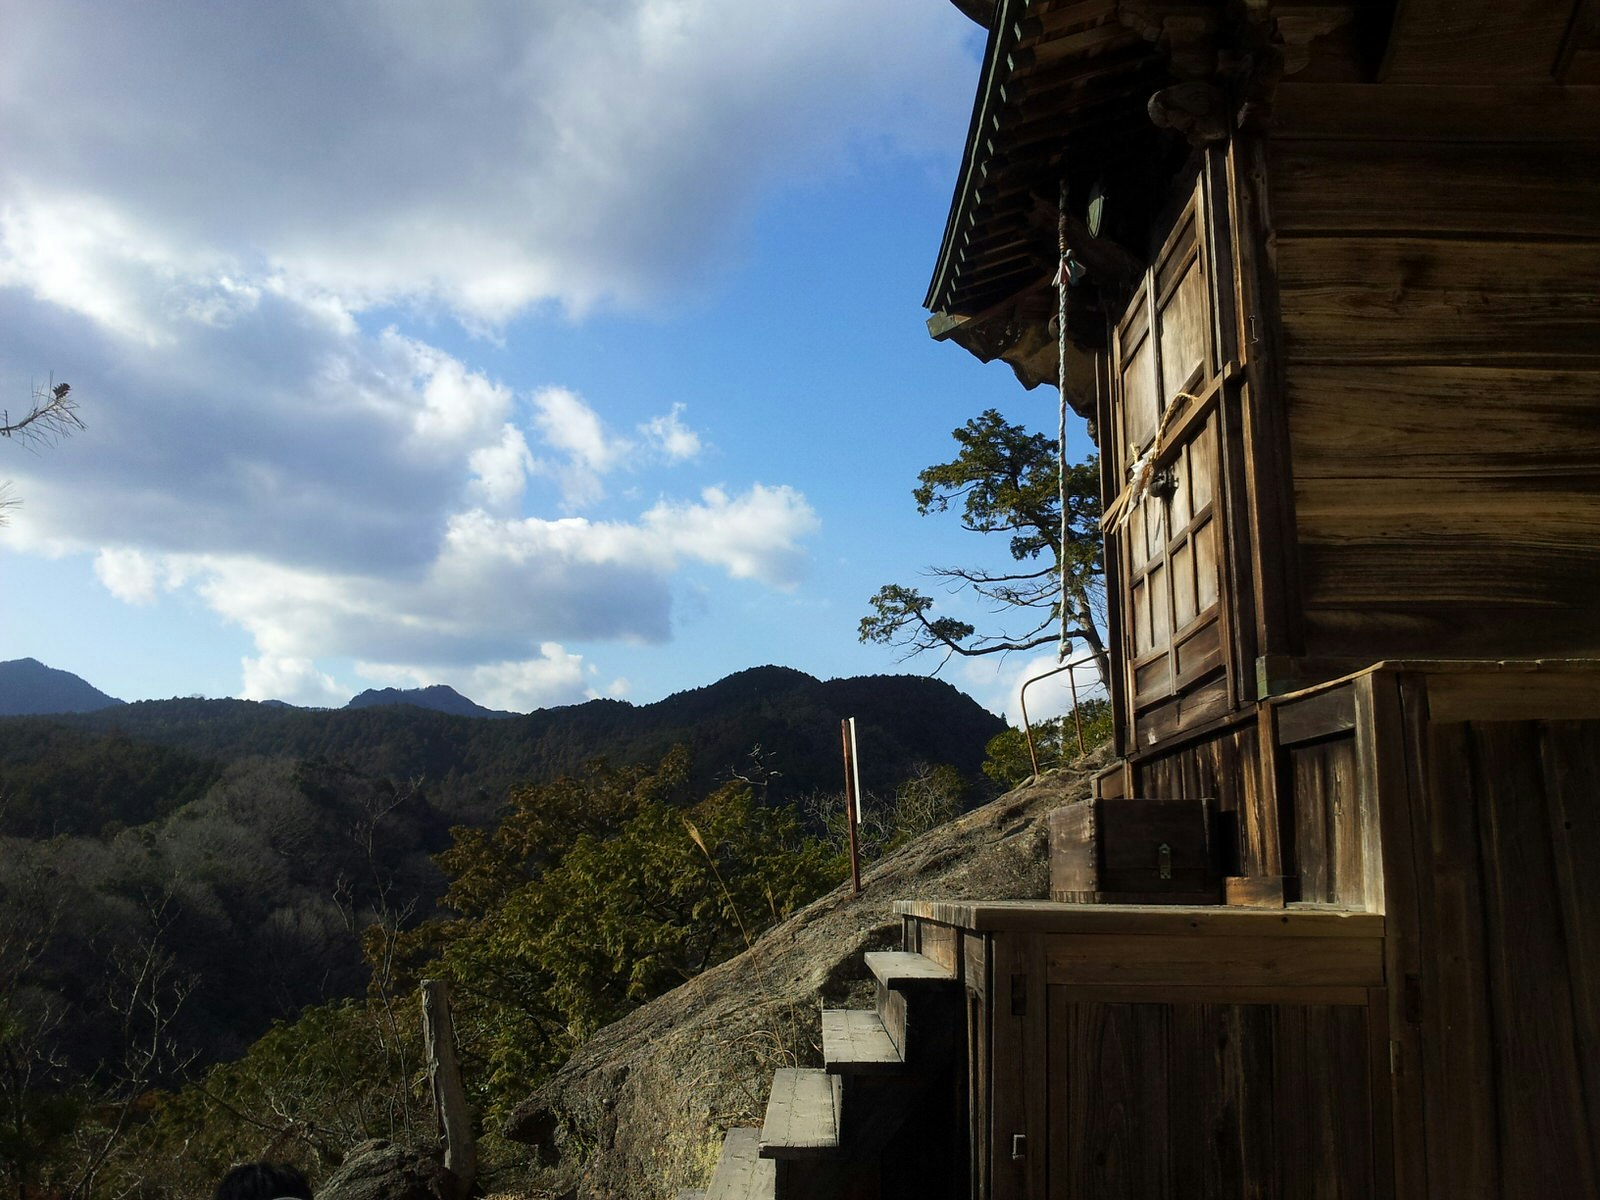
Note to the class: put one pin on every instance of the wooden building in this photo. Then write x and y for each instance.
(1335, 322)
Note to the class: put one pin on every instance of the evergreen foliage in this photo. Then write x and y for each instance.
(1005, 480)
(1055, 742)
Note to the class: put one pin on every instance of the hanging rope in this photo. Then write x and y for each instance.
(1063, 282)
(1143, 469)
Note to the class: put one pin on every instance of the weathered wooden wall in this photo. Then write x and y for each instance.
(1494, 942)
(1179, 1100)
(1438, 269)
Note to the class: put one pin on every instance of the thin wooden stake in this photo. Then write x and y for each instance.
(444, 1079)
(852, 806)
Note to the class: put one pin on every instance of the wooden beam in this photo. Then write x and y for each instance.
(1427, 301)
(1421, 113)
(1065, 19)
(1448, 41)
(1539, 190)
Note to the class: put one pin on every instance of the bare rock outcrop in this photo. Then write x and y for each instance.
(380, 1170)
(640, 1110)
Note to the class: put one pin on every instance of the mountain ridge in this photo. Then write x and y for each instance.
(439, 697)
(30, 688)
(773, 724)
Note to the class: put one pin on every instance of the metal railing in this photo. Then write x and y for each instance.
(1077, 718)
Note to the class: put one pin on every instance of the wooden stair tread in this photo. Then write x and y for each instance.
(856, 1043)
(904, 969)
(802, 1114)
(742, 1174)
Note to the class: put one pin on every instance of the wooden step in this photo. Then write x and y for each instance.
(908, 971)
(856, 1043)
(742, 1174)
(802, 1114)
(917, 1004)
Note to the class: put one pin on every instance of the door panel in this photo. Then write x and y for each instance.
(1164, 407)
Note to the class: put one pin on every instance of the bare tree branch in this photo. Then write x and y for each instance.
(52, 417)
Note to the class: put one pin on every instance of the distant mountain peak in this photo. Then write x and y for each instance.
(439, 697)
(29, 688)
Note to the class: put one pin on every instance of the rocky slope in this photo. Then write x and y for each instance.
(639, 1112)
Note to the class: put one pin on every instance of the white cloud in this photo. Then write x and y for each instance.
(753, 536)
(485, 613)
(501, 469)
(210, 208)
(672, 439)
(575, 431)
(568, 424)
(129, 575)
(553, 676)
(588, 451)
(997, 682)
(292, 680)
(487, 156)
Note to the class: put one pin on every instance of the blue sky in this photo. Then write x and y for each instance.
(543, 350)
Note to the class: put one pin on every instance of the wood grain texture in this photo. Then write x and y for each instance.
(1543, 1125)
(1123, 921)
(1549, 509)
(1210, 1100)
(1325, 714)
(1323, 1093)
(1475, 41)
(903, 969)
(1399, 301)
(1108, 1080)
(1463, 1150)
(742, 1174)
(1515, 695)
(1515, 114)
(1267, 497)
(1381, 186)
(1134, 850)
(1206, 702)
(802, 1118)
(856, 1043)
(1392, 710)
(1182, 960)
(940, 945)
(1331, 816)
(1355, 423)
(1570, 753)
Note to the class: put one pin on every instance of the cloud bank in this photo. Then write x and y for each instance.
(203, 207)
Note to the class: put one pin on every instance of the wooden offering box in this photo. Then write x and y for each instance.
(1134, 851)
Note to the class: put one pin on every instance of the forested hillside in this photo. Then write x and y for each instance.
(467, 763)
(212, 913)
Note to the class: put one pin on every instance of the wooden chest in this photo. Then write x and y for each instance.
(1134, 851)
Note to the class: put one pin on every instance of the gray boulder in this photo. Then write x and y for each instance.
(381, 1170)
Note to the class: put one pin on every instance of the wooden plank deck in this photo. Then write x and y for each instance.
(856, 1043)
(802, 1118)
